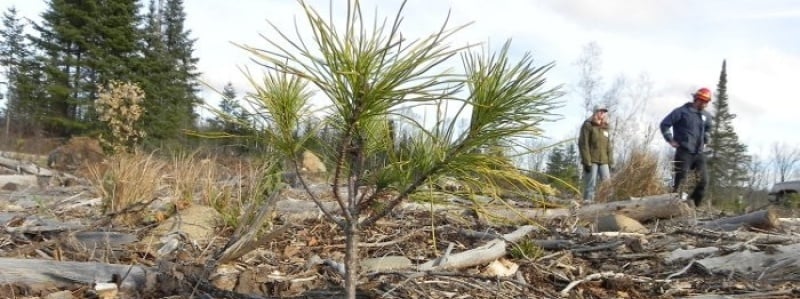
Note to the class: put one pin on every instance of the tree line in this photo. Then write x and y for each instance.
(53, 67)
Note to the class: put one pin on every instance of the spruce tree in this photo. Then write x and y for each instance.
(13, 52)
(180, 48)
(727, 164)
(83, 44)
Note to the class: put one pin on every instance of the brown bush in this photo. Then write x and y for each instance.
(76, 155)
(638, 176)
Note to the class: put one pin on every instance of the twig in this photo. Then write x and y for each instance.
(445, 255)
(682, 271)
(590, 277)
(598, 247)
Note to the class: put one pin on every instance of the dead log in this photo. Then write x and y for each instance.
(483, 254)
(20, 180)
(663, 206)
(36, 273)
(509, 215)
(26, 167)
(780, 264)
(687, 254)
(763, 219)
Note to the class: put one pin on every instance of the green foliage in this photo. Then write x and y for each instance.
(562, 168)
(527, 250)
(728, 163)
(370, 74)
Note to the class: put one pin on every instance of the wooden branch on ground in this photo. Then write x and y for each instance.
(781, 264)
(19, 180)
(481, 255)
(763, 219)
(663, 206)
(26, 167)
(37, 273)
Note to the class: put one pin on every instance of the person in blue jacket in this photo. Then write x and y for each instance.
(690, 126)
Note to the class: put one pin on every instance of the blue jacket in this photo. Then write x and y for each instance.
(690, 127)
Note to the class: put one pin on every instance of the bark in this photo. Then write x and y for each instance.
(25, 167)
(663, 206)
(19, 180)
(484, 254)
(763, 219)
(37, 273)
(351, 258)
(781, 264)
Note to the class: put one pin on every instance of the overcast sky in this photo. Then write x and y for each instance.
(678, 44)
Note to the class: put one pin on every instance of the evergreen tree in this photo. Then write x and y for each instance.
(13, 52)
(64, 38)
(171, 70)
(84, 43)
(180, 48)
(562, 168)
(727, 165)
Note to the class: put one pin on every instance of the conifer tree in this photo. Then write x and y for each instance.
(562, 167)
(727, 164)
(13, 52)
(83, 43)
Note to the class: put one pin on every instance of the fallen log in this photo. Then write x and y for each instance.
(763, 219)
(663, 206)
(26, 167)
(20, 180)
(37, 274)
(781, 264)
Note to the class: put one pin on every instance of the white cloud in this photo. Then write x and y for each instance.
(680, 44)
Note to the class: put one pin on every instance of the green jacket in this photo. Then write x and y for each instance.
(594, 144)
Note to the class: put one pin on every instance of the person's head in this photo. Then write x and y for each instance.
(600, 112)
(701, 98)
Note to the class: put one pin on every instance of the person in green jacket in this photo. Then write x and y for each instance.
(594, 145)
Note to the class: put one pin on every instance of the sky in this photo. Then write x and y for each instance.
(678, 45)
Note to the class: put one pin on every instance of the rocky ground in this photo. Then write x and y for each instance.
(57, 243)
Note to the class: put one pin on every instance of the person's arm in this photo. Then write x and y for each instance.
(610, 153)
(666, 125)
(707, 125)
(583, 145)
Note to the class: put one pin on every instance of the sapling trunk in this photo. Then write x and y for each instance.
(351, 258)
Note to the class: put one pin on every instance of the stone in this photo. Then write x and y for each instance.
(619, 223)
(197, 222)
(312, 164)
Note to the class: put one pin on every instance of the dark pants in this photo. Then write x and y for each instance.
(685, 161)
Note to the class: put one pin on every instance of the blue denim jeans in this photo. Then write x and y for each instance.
(590, 179)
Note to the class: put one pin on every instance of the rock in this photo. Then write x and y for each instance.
(60, 295)
(385, 263)
(312, 164)
(619, 223)
(225, 277)
(197, 222)
(106, 290)
(76, 154)
(10, 187)
(501, 268)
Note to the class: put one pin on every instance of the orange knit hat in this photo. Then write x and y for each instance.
(703, 94)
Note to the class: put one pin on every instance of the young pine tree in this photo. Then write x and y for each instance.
(369, 72)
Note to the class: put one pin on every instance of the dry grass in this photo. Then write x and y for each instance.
(127, 183)
(638, 176)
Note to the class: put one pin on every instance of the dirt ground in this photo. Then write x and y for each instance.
(562, 257)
